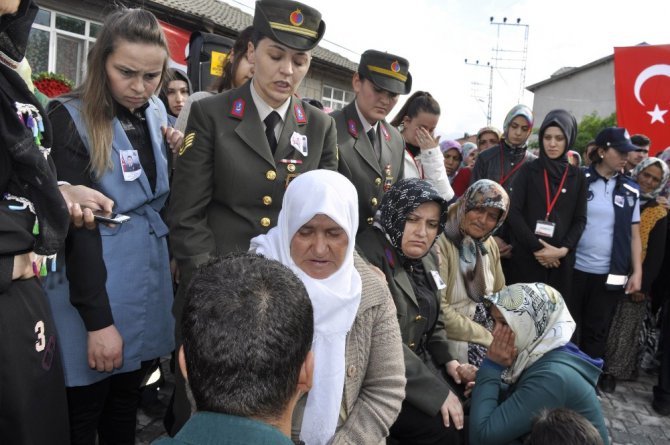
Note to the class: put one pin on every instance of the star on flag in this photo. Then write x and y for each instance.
(657, 115)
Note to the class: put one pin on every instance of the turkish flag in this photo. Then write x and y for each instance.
(177, 39)
(642, 87)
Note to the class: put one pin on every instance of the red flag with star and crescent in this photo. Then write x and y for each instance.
(642, 87)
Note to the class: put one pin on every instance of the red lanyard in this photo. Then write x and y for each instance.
(552, 202)
(504, 178)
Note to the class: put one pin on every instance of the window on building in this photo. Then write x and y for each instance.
(336, 98)
(60, 42)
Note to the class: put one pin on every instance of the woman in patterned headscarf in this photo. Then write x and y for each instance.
(471, 267)
(621, 356)
(411, 216)
(531, 365)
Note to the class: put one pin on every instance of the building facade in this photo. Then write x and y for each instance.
(64, 31)
(583, 91)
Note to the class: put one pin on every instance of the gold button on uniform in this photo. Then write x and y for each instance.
(271, 175)
(418, 318)
(378, 181)
(290, 168)
(412, 345)
(265, 222)
(373, 201)
(267, 200)
(371, 220)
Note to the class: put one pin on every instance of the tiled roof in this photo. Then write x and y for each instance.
(227, 16)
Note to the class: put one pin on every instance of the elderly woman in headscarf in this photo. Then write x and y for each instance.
(530, 366)
(459, 177)
(470, 267)
(622, 352)
(410, 217)
(501, 163)
(359, 376)
(470, 152)
(488, 137)
(548, 209)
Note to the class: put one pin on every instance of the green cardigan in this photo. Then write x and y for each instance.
(502, 414)
(208, 428)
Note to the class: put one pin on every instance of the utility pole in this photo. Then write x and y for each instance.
(504, 59)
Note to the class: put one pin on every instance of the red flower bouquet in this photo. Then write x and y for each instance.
(52, 84)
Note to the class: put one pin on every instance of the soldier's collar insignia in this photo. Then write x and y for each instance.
(387, 136)
(351, 126)
(238, 108)
(299, 114)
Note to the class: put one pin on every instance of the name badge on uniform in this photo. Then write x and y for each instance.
(130, 164)
(619, 200)
(545, 228)
(299, 142)
(616, 280)
(438, 279)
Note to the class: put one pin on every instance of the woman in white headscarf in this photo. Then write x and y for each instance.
(359, 376)
(530, 366)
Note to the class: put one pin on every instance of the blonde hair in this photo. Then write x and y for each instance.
(130, 25)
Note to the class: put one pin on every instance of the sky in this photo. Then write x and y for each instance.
(436, 36)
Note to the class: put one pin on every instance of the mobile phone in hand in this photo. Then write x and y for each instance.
(109, 217)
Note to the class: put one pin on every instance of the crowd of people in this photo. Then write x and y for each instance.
(317, 278)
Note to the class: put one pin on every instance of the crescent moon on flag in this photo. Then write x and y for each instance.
(648, 73)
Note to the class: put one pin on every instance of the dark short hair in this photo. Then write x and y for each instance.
(247, 327)
(640, 140)
(562, 426)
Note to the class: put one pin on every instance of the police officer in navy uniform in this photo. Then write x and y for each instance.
(371, 150)
(242, 147)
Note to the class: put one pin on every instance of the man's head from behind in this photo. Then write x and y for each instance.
(247, 331)
(562, 426)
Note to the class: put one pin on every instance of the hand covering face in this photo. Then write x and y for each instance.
(539, 318)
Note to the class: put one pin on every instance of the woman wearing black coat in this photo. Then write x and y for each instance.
(548, 209)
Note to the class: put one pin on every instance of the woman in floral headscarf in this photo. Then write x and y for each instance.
(411, 216)
(621, 356)
(530, 366)
(470, 267)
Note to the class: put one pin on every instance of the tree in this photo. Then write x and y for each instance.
(589, 127)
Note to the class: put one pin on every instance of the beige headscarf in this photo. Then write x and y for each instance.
(539, 318)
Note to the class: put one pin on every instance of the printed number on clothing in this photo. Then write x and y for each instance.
(41, 343)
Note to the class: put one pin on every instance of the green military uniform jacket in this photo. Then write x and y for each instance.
(358, 161)
(227, 186)
(425, 390)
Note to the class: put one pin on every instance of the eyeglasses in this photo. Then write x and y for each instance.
(648, 176)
